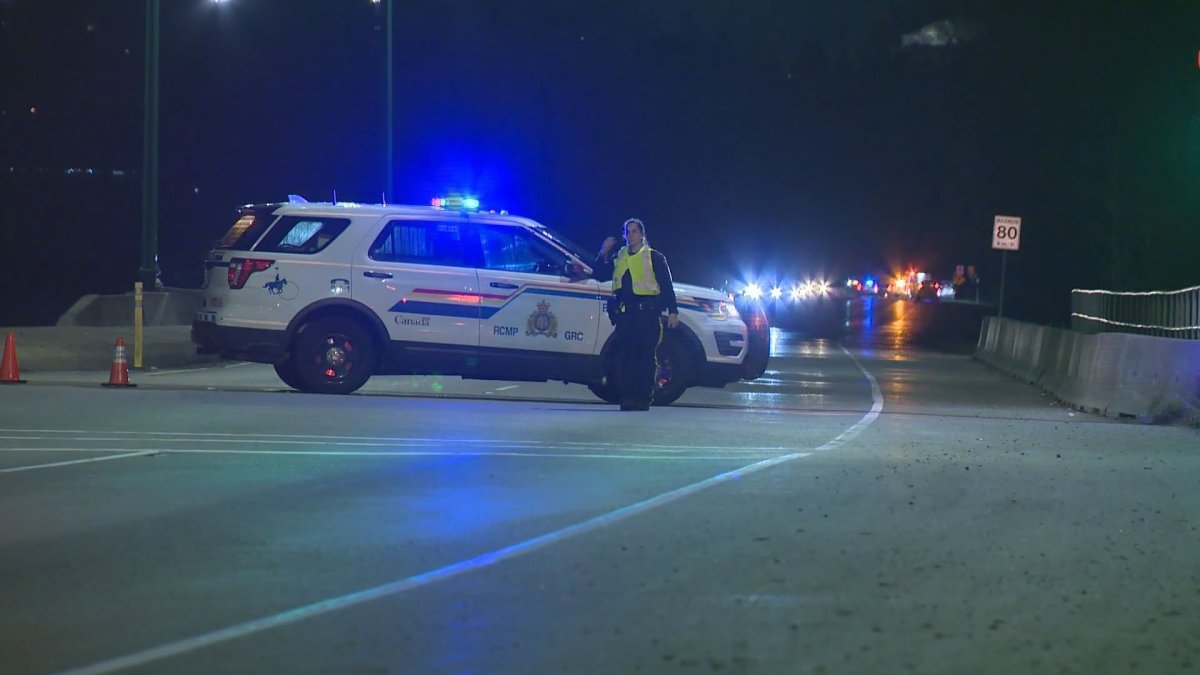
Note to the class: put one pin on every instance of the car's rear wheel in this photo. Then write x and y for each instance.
(334, 356)
(677, 369)
(286, 370)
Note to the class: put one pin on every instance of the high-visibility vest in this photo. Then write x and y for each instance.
(641, 271)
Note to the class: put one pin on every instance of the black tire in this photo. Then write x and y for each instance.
(759, 352)
(606, 391)
(286, 370)
(334, 356)
(677, 370)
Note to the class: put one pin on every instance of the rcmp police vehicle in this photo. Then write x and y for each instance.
(331, 294)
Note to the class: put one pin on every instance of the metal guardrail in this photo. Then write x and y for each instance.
(1173, 314)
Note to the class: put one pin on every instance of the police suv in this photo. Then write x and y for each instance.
(331, 294)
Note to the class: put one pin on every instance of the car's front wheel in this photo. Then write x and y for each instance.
(606, 391)
(677, 369)
(334, 356)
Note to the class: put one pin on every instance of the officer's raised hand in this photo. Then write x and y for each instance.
(608, 245)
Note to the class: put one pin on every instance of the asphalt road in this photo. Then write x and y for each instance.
(875, 508)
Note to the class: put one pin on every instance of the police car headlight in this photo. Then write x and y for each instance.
(718, 309)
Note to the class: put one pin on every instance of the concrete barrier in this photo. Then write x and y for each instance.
(1014, 347)
(1112, 374)
(987, 336)
(169, 307)
(1090, 385)
(1059, 348)
(90, 348)
(1156, 374)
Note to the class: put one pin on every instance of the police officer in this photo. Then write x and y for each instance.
(641, 291)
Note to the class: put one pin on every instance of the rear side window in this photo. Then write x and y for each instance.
(417, 241)
(302, 234)
(246, 230)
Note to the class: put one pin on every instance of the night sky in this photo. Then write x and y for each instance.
(753, 137)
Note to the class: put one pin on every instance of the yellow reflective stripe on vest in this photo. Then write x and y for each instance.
(641, 271)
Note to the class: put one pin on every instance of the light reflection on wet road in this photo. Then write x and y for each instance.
(870, 324)
(895, 339)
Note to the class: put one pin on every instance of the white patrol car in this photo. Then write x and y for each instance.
(332, 294)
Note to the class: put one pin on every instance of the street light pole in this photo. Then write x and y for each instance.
(148, 273)
(387, 186)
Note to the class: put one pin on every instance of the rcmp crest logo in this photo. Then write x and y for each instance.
(542, 322)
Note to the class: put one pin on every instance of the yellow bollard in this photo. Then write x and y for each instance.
(137, 324)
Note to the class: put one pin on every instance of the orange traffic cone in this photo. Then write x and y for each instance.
(10, 370)
(118, 375)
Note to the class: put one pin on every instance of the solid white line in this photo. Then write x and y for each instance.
(207, 434)
(227, 366)
(397, 453)
(251, 441)
(479, 562)
(876, 404)
(511, 386)
(369, 441)
(498, 444)
(440, 574)
(77, 461)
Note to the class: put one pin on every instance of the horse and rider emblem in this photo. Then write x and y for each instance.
(542, 322)
(285, 289)
(276, 287)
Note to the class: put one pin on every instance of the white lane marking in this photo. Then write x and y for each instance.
(423, 444)
(479, 562)
(204, 369)
(78, 461)
(397, 453)
(352, 441)
(511, 386)
(369, 594)
(251, 441)
(876, 401)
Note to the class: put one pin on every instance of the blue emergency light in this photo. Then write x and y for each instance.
(455, 202)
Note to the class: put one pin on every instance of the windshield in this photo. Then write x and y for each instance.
(572, 247)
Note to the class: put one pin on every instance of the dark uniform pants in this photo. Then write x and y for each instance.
(639, 330)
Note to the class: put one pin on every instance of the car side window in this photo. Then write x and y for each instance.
(296, 234)
(512, 249)
(417, 241)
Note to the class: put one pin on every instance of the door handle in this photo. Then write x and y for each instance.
(378, 275)
(501, 284)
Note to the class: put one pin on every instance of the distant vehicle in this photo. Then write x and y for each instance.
(333, 294)
(928, 290)
(897, 288)
(784, 292)
(864, 286)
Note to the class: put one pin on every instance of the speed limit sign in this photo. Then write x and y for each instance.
(1006, 233)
